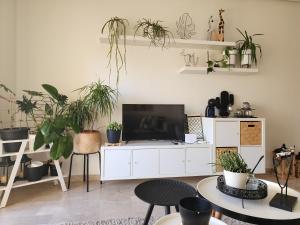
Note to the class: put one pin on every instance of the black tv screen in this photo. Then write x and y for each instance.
(153, 122)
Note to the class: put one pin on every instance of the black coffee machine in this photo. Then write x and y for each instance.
(210, 109)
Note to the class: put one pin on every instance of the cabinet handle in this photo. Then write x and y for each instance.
(135, 163)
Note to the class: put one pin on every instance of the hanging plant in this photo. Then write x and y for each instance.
(116, 28)
(155, 32)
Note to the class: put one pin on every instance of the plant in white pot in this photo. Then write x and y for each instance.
(230, 53)
(113, 132)
(248, 49)
(97, 99)
(235, 169)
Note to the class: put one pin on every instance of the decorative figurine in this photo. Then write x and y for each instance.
(216, 33)
(185, 26)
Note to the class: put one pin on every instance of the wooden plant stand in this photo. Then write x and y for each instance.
(11, 184)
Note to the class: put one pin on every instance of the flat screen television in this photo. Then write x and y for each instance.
(152, 122)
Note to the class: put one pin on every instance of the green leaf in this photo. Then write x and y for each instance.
(33, 93)
(46, 128)
(39, 140)
(52, 91)
(67, 146)
(48, 109)
(54, 153)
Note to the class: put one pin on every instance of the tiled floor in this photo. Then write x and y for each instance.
(46, 203)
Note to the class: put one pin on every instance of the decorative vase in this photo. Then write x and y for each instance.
(113, 136)
(195, 211)
(88, 141)
(246, 59)
(236, 180)
(16, 133)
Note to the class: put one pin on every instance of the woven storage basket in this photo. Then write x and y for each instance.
(251, 133)
(219, 152)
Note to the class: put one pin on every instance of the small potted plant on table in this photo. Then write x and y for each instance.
(113, 132)
(235, 169)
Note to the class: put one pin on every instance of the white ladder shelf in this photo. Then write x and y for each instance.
(11, 184)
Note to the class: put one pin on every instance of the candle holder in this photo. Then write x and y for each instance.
(282, 200)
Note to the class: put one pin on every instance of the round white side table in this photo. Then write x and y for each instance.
(175, 219)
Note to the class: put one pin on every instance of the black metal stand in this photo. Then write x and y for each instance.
(283, 200)
(85, 168)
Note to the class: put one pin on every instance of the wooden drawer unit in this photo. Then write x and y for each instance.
(251, 133)
(219, 152)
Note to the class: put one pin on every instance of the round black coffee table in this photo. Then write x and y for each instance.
(163, 192)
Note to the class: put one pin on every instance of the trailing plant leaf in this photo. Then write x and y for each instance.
(155, 32)
(39, 140)
(116, 28)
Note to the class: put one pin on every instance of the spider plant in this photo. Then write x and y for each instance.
(116, 28)
(153, 30)
(247, 43)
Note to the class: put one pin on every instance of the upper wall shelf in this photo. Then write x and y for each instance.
(203, 70)
(179, 43)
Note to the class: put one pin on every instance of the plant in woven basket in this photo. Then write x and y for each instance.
(233, 162)
(155, 32)
(116, 28)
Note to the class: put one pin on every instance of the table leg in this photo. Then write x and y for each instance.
(167, 210)
(148, 215)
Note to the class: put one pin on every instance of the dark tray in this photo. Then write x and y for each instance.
(260, 193)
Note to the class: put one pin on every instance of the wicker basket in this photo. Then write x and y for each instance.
(220, 151)
(251, 133)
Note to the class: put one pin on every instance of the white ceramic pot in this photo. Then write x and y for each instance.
(232, 57)
(236, 180)
(246, 60)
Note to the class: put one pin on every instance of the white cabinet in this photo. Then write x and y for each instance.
(198, 161)
(117, 163)
(227, 133)
(172, 162)
(251, 156)
(145, 163)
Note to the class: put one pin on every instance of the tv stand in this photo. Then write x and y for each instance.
(155, 159)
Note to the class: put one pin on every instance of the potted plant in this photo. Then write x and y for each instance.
(235, 169)
(97, 99)
(155, 32)
(12, 133)
(31, 105)
(116, 28)
(248, 49)
(230, 53)
(56, 127)
(113, 132)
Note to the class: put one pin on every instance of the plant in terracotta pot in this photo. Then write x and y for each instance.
(97, 99)
(235, 169)
(113, 132)
(11, 132)
(57, 127)
(248, 49)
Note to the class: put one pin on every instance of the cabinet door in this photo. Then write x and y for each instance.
(117, 163)
(198, 161)
(251, 156)
(145, 163)
(172, 162)
(227, 133)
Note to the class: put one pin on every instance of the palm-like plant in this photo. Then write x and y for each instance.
(248, 43)
(116, 28)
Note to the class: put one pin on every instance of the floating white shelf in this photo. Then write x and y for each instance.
(26, 183)
(203, 70)
(177, 43)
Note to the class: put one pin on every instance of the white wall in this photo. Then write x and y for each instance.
(7, 53)
(58, 43)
